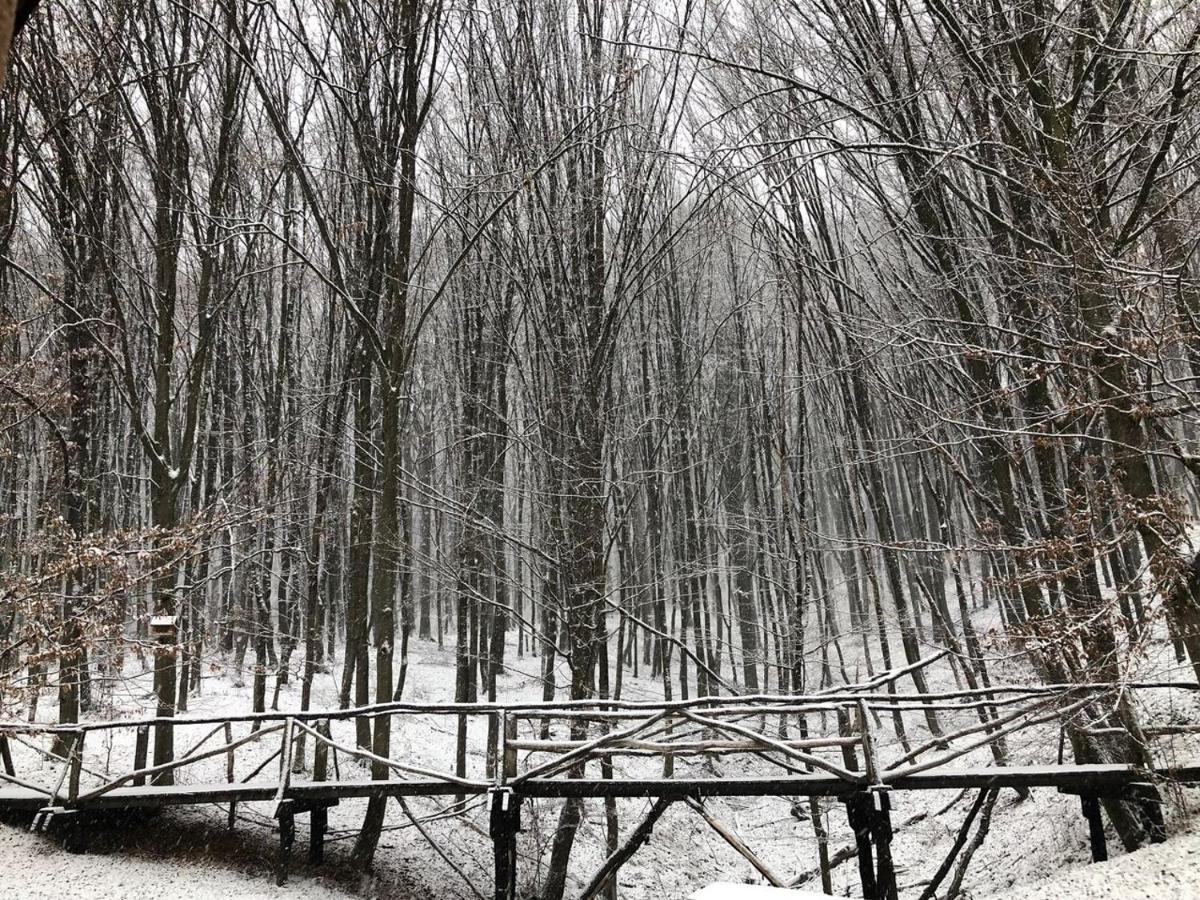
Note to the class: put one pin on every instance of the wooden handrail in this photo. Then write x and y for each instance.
(176, 763)
(601, 708)
(391, 763)
(712, 746)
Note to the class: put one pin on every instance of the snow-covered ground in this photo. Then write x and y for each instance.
(191, 858)
(189, 851)
(1169, 871)
(140, 865)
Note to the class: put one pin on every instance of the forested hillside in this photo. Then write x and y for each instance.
(716, 347)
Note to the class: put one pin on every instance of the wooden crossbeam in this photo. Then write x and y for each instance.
(678, 747)
(736, 843)
(640, 835)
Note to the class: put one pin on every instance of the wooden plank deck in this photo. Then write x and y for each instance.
(19, 799)
(155, 796)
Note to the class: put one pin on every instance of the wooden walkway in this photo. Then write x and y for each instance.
(543, 751)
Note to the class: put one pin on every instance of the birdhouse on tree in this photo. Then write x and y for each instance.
(164, 629)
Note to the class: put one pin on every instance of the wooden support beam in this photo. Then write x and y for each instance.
(640, 835)
(1091, 812)
(960, 840)
(437, 848)
(871, 820)
(6, 756)
(881, 826)
(858, 813)
(736, 843)
(504, 825)
(287, 836)
(317, 826)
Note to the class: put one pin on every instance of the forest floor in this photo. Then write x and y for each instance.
(191, 851)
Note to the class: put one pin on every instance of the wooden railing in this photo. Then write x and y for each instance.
(597, 730)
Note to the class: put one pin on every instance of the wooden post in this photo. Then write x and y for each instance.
(229, 774)
(849, 757)
(319, 817)
(318, 824)
(287, 836)
(508, 768)
(76, 766)
(868, 744)
(229, 754)
(858, 812)
(6, 756)
(881, 822)
(1091, 812)
(140, 749)
(505, 823)
(494, 732)
(321, 752)
(285, 810)
(285, 753)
